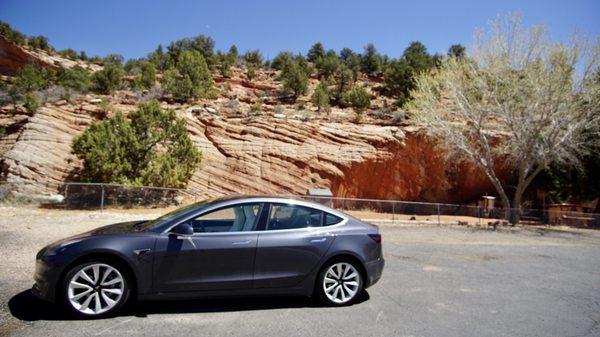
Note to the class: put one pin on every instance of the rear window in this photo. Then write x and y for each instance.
(331, 219)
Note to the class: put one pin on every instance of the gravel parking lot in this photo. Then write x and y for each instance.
(438, 281)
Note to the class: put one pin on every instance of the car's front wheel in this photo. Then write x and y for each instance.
(96, 289)
(340, 282)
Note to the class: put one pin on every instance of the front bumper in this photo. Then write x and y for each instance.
(46, 276)
(374, 270)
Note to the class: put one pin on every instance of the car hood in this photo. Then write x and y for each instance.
(118, 228)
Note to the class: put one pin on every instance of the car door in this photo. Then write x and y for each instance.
(218, 256)
(291, 245)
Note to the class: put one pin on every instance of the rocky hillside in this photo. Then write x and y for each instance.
(252, 141)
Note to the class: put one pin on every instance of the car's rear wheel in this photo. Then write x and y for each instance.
(340, 282)
(96, 289)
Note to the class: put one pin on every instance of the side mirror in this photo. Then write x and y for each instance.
(182, 231)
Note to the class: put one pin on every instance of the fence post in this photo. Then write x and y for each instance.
(102, 200)
(479, 214)
(393, 212)
(438, 214)
(66, 195)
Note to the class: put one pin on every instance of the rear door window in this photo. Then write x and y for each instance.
(293, 216)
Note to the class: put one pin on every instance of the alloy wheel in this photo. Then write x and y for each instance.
(341, 282)
(95, 289)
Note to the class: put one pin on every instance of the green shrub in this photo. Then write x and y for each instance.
(150, 148)
(224, 63)
(320, 97)
(83, 55)
(398, 81)
(114, 59)
(95, 59)
(190, 78)
(370, 61)
(107, 80)
(75, 78)
(250, 72)
(159, 58)
(328, 65)
(133, 66)
(254, 58)
(201, 43)
(180, 87)
(294, 80)
(344, 83)
(11, 34)
(315, 52)
(39, 42)
(399, 76)
(304, 64)
(146, 77)
(457, 50)
(346, 54)
(32, 103)
(256, 107)
(68, 53)
(3, 132)
(417, 57)
(281, 60)
(31, 78)
(359, 99)
(205, 45)
(233, 52)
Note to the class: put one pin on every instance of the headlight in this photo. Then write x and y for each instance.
(60, 248)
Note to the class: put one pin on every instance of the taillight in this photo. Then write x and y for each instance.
(375, 237)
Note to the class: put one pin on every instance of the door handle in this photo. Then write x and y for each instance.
(319, 240)
(241, 242)
(140, 252)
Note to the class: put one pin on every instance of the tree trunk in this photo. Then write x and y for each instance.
(515, 212)
(524, 181)
(498, 186)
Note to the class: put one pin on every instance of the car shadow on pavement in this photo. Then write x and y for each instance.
(26, 307)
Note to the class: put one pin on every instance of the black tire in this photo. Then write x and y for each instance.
(123, 299)
(320, 285)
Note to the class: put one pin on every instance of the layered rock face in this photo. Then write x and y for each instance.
(285, 148)
(13, 57)
(261, 155)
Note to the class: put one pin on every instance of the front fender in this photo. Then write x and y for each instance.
(122, 248)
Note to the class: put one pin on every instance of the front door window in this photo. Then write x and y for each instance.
(238, 218)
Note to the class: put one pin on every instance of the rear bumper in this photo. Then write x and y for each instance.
(374, 270)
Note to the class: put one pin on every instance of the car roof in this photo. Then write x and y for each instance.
(212, 204)
(232, 199)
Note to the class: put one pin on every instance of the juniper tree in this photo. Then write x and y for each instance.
(189, 78)
(315, 52)
(151, 147)
(294, 80)
(107, 80)
(320, 97)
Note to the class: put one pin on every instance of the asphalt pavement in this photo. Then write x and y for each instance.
(438, 281)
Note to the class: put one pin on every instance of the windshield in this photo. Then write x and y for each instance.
(171, 215)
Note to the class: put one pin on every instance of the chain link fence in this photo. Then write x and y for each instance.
(96, 196)
(93, 195)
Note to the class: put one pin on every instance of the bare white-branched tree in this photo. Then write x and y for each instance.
(519, 102)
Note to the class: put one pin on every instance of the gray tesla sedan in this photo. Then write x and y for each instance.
(235, 246)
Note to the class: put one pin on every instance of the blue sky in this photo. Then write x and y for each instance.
(134, 28)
